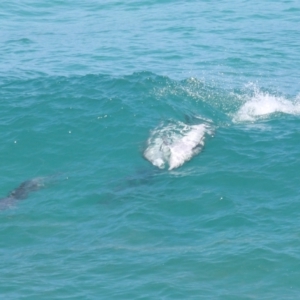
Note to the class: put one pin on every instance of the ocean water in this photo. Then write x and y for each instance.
(149, 149)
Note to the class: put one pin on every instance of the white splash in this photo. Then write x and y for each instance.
(175, 144)
(263, 104)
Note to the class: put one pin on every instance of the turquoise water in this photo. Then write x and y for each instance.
(161, 144)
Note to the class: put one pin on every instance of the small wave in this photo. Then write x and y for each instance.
(173, 144)
(261, 105)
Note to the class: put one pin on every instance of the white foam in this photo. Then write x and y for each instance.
(262, 105)
(174, 144)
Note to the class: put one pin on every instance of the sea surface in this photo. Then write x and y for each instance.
(149, 149)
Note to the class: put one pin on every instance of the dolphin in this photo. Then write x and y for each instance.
(22, 191)
(175, 143)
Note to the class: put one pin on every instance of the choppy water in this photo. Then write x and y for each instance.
(167, 137)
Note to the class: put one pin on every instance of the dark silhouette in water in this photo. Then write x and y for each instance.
(22, 191)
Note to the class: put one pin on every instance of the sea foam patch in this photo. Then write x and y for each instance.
(173, 144)
(262, 104)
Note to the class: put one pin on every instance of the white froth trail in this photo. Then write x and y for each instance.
(262, 105)
(174, 144)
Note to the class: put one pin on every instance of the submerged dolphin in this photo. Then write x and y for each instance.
(175, 143)
(22, 191)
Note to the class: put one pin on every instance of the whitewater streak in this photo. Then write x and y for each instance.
(173, 144)
(262, 104)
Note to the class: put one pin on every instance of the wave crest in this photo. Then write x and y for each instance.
(261, 105)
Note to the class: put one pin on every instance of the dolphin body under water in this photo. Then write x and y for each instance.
(22, 191)
(174, 143)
